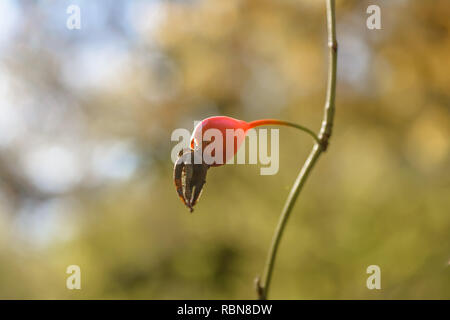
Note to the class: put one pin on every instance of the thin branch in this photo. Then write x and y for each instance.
(265, 122)
(262, 287)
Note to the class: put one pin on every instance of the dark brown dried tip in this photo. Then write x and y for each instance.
(189, 177)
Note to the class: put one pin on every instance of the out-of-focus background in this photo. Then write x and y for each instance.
(86, 118)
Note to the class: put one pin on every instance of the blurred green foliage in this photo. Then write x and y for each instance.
(380, 195)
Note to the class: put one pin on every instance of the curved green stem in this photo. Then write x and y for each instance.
(263, 285)
(265, 122)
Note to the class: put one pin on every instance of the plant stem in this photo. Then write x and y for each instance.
(263, 286)
(265, 122)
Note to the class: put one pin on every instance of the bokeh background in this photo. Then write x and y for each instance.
(86, 118)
